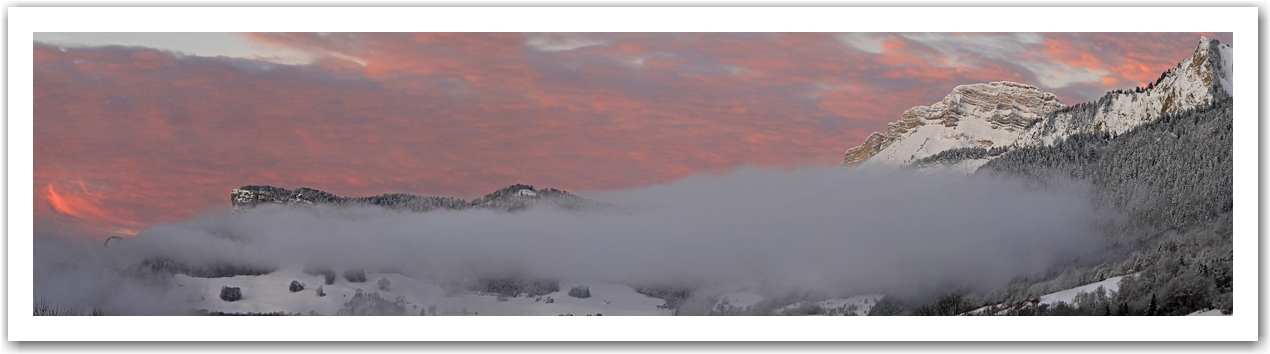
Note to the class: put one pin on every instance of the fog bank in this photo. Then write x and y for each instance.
(826, 231)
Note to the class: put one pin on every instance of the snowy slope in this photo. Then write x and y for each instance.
(1207, 313)
(1010, 115)
(1067, 296)
(269, 294)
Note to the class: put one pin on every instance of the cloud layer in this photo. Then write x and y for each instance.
(126, 137)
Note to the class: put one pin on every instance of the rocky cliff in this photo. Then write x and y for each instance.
(977, 115)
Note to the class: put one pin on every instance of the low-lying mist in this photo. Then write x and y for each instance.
(775, 232)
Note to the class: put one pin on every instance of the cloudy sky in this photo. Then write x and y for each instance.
(132, 130)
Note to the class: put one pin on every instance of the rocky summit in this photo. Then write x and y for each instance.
(977, 115)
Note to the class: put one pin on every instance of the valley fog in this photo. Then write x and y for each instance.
(776, 232)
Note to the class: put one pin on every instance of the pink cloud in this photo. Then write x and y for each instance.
(163, 138)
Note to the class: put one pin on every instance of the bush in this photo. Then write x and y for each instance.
(44, 308)
(580, 291)
(951, 304)
(230, 294)
(514, 286)
(295, 286)
(887, 306)
(384, 283)
(354, 275)
(320, 293)
(373, 305)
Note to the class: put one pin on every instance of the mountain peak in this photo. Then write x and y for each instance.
(974, 115)
(1205, 43)
(1002, 115)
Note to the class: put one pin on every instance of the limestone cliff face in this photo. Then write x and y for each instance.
(1007, 115)
(977, 115)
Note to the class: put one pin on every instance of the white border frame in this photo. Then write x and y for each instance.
(23, 21)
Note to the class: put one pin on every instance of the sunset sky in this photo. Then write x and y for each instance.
(131, 130)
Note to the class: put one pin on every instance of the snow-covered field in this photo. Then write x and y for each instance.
(270, 294)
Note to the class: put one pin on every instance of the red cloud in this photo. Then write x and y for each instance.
(164, 138)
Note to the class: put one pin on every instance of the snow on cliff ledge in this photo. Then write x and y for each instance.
(978, 115)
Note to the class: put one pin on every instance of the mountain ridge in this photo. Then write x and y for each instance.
(1005, 115)
(515, 197)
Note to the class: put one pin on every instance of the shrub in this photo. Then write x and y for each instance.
(320, 293)
(354, 275)
(44, 308)
(373, 305)
(580, 291)
(230, 294)
(951, 304)
(515, 285)
(295, 286)
(384, 283)
(887, 306)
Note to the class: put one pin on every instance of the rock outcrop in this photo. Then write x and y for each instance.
(977, 115)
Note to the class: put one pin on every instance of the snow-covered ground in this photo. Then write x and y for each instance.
(1207, 313)
(1069, 295)
(269, 294)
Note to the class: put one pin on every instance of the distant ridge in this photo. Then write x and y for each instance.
(512, 198)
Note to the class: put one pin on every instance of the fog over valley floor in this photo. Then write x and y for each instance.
(778, 233)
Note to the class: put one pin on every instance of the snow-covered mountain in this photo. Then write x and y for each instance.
(1002, 116)
(1193, 83)
(978, 115)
